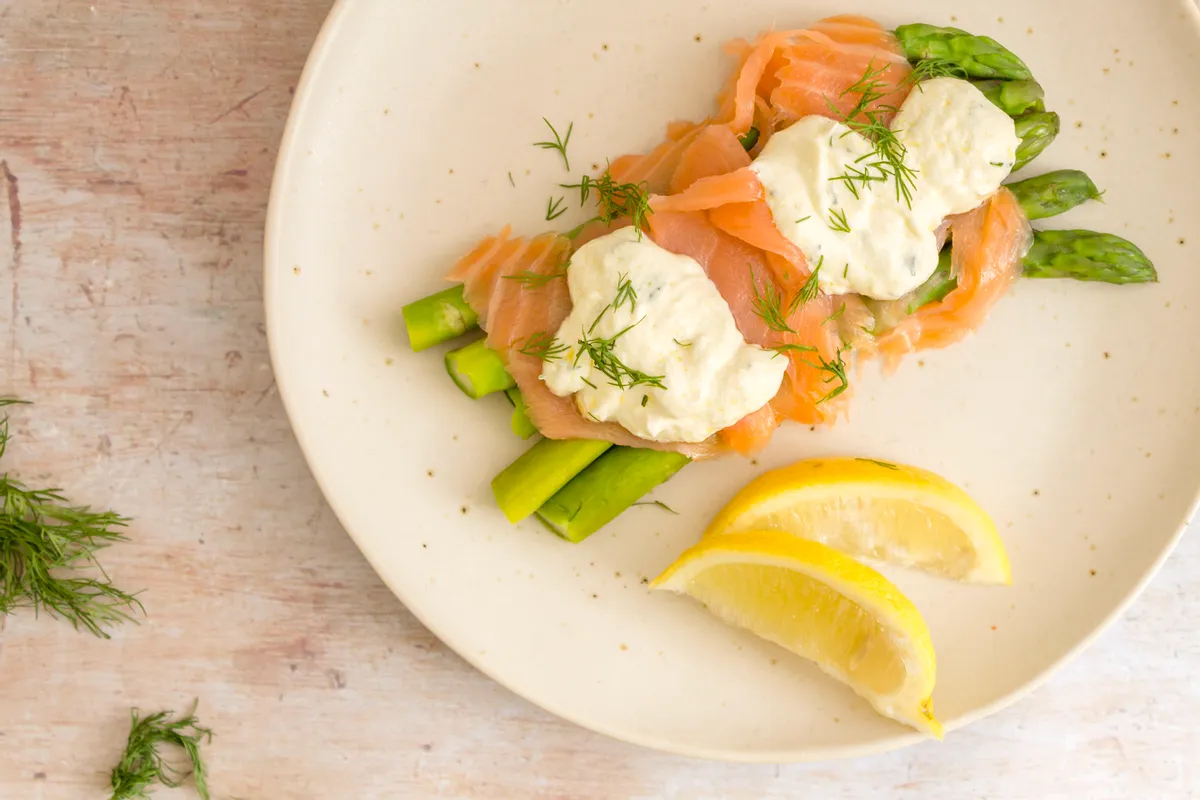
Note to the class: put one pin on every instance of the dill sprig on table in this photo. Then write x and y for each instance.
(142, 764)
(46, 544)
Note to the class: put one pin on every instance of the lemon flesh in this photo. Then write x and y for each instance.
(822, 605)
(873, 509)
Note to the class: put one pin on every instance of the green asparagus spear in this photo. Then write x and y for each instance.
(1079, 255)
(1037, 131)
(939, 285)
(478, 370)
(548, 466)
(1087, 256)
(521, 424)
(1015, 98)
(977, 56)
(1054, 193)
(438, 318)
(749, 139)
(612, 483)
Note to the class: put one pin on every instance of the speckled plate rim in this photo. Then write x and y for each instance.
(272, 268)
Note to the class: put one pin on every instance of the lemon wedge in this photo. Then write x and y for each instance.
(822, 605)
(889, 512)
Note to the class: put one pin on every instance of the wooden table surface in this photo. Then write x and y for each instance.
(137, 140)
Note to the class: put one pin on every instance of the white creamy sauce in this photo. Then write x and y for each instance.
(682, 333)
(960, 146)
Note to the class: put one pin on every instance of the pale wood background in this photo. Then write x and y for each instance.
(137, 140)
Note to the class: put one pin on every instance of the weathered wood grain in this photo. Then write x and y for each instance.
(137, 140)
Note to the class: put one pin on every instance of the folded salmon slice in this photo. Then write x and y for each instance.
(988, 245)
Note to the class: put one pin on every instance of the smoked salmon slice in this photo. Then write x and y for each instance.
(834, 55)
(987, 246)
(716, 150)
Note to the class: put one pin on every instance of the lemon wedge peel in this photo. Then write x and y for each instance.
(822, 605)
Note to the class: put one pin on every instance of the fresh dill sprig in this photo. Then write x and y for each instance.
(600, 351)
(794, 348)
(142, 765)
(560, 142)
(884, 464)
(682, 344)
(888, 151)
(658, 503)
(768, 304)
(555, 208)
(544, 346)
(614, 201)
(811, 287)
(837, 221)
(536, 280)
(805, 219)
(837, 314)
(836, 370)
(625, 294)
(934, 68)
(45, 546)
(857, 175)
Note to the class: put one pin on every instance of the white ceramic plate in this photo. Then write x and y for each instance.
(1074, 417)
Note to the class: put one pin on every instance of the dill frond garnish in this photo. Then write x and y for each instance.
(837, 221)
(625, 294)
(536, 280)
(836, 371)
(45, 547)
(659, 503)
(884, 464)
(544, 346)
(768, 304)
(811, 287)
(794, 348)
(555, 208)
(934, 68)
(614, 201)
(886, 159)
(560, 142)
(600, 351)
(142, 764)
